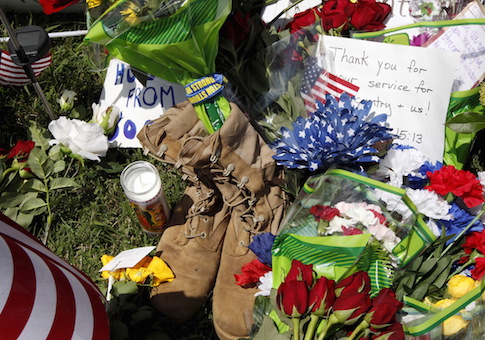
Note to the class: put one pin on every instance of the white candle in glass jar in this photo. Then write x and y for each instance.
(143, 187)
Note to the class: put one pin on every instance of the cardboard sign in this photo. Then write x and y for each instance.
(469, 41)
(127, 258)
(138, 104)
(412, 85)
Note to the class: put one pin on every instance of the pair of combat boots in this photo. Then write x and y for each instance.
(232, 195)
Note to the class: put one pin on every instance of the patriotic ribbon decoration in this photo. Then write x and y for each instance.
(13, 74)
(42, 296)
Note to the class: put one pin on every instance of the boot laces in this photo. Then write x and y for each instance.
(199, 207)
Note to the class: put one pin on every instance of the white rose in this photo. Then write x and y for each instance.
(84, 139)
(66, 102)
(107, 118)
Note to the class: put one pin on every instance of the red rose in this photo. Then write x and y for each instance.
(359, 282)
(300, 272)
(393, 332)
(479, 271)
(369, 15)
(304, 19)
(351, 231)
(292, 298)
(475, 240)
(251, 272)
(348, 307)
(53, 6)
(324, 212)
(21, 150)
(336, 14)
(322, 296)
(384, 308)
(460, 183)
(236, 28)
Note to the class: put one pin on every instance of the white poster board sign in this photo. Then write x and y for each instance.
(137, 103)
(469, 41)
(412, 85)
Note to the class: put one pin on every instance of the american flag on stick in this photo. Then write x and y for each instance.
(317, 82)
(43, 297)
(13, 74)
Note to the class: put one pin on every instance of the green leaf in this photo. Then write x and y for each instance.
(124, 287)
(38, 185)
(24, 219)
(268, 330)
(62, 183)
(59, 166)
(467, 122)
(41, 165)
(55, 153)
(38, 136)
(34, 206)
(11, 199)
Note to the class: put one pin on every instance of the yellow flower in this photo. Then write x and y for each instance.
(117, 274)
(131, 13)
(459, 285)
(161, 272)
(453, 325)
(138, 275)
(442, 304)
(93, 3)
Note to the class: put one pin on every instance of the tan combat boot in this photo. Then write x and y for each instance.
(242, 167)
(192, 243)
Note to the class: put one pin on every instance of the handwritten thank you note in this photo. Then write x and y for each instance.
(412, 85)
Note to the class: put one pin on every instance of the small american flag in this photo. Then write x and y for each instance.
(317, 82)
(13, 74)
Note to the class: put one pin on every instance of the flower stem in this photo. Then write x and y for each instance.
(312, 326)
(332, 319)
(477, 217)
(296, 328)
(363, 325)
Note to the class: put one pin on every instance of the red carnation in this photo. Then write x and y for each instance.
(251, 272)
(475, 240)
(460, 183)
(479, 271)
(324, 212)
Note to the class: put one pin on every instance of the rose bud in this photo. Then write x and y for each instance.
(384, 308)
(393, 332)
(322, 296)
(347, 309)
(292, 298)
(300, 272)
(358, 282)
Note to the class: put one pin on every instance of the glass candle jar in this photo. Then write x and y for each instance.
(142, 185)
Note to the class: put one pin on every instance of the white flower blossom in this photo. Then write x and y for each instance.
(265, 284)
(399, 163)
(66, 102)
(84, 139)
(107, 118)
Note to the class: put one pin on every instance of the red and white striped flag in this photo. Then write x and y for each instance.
(42, 296)
(317, 82)
(13, 74)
